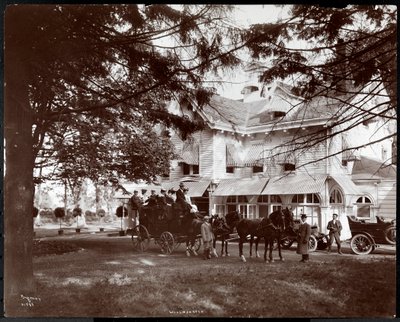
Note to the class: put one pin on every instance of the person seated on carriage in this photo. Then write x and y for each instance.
(152, 200)
(183, 207)
(170, 198)
(162, 198)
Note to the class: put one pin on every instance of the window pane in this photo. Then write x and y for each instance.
(367, 200)
(257, 169)
(359, 200)
(363, 211)
(309, 198)
(231, 199)
(276, 199)
(316, 198)
(231, 208)
(229, 170)
(242, 199)
(195, 169)
(295, 199)
(186, 168)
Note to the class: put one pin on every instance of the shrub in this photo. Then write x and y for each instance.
(77, 212)
(101, 213)
(108, 218)
(121, 210)
(47, 216)
(59, 212)
(90, 216)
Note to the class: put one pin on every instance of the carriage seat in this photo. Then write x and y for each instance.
(380, 219)
(353, 218)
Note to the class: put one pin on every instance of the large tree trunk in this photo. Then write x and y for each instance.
(19, 188)
(18, 183)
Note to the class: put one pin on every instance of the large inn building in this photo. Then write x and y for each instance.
(243, 159)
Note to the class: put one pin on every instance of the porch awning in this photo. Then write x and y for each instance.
(295, 184)
(196, 188)
(240, 187)
(347, 185)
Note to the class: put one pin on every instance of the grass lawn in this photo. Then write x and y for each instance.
(106, 278)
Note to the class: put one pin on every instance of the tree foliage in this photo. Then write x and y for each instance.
(346, 55)
(74, 71)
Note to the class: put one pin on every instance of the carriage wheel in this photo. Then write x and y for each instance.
(140, 238)
(166, 242)
(322, 243)
(312, 244)
(361, 244)
(287, 242)
(390, 235)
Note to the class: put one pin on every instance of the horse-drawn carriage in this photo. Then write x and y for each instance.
(168, 226)
(366, 237)
(317, 239)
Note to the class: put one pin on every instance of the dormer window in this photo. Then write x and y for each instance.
(249, 89)
(289, 167)
(277, 114)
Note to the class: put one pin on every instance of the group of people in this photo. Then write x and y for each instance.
(179, 198)
(334, 227)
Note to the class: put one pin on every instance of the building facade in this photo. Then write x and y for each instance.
(272, 149)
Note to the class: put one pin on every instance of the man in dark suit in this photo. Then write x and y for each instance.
(303, 237)
(334, 227)
(180, 194)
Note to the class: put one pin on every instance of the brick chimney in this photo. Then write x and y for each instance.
(342, 83)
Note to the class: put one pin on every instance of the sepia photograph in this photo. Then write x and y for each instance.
(200, 160)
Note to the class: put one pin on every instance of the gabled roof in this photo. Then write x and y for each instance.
(370, 169)
(277, 105)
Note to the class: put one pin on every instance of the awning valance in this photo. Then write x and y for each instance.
(295, 184)
(240, 187)
(196, 188)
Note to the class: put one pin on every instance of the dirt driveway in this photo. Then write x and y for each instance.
(103, 276)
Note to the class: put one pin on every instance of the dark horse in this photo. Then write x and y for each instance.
(272, 227)
(249, 227)
(221, 230)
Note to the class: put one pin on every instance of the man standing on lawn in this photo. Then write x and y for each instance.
(303, 238)
(334, 227)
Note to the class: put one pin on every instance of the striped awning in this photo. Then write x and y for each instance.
(232, 157)
(196, 188)
(255, 156)
(295, 184)
(190, 154)
(240, 187)
(348, 186)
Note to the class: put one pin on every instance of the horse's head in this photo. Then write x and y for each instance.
(282, 218)
(232, 218)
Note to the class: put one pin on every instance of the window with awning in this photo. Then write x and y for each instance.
(190, 153)
(232, 157)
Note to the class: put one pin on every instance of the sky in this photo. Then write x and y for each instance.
(246, 15)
